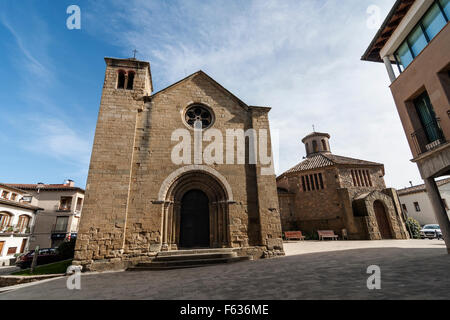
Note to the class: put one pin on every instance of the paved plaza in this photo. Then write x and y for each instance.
(410, 269)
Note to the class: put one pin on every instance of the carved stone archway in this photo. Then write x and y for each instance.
(218, 198)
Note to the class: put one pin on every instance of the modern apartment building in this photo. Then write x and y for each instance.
(414, 44)
(18, 212)
(62, 205)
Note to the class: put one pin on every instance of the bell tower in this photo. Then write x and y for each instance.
(316, 142)
(127, 82)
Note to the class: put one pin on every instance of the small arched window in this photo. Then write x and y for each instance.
(315, 147)
(307, 147)
(121, 79)
(130, 80)
(5, 219)
(324, 145)
(23, 223)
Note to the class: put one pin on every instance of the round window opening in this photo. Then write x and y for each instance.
(198, 113)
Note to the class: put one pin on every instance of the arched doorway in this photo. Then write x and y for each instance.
(382, 220)
(195, 212)
(194, 220)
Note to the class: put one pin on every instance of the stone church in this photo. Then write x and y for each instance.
(141, 199)
(332, 192)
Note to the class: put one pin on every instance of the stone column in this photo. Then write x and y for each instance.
(439, 210)
(165, 246)
(390, 70)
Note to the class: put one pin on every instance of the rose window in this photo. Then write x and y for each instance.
(198, 113)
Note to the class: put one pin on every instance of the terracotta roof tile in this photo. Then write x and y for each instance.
(322, 160)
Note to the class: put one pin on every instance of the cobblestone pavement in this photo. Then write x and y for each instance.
(414, 269)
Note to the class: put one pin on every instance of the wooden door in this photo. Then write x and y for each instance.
(2, 243)
(194, 222)
(382, 220)
(22, 247)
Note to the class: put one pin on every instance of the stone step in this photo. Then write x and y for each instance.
(196, 256)
(177, 264)
(194, 251)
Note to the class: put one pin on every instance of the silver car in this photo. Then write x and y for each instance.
(431, 231)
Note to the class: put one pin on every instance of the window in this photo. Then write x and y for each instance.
(11, 251)
(416, 206)
(417, 41)
(14, 196)
(427, 117)
(404, 208)
(79, 203)
(5, 194)
(433, 21)
(5, 220)
(315, 147)
(130, 80)
(198, 113)
(445, 4)
(23, 223)
(121, 79)
(404, 55)
(361, 178)
(313, 182)
(65, 203)
(61, 224)
(428, 27)
(324, 145)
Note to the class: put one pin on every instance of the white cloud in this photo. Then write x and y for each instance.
(56, 139)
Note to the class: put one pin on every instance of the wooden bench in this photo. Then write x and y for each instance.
(327, 234)
(289, 235)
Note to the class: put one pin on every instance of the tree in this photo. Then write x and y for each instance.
(413, 227)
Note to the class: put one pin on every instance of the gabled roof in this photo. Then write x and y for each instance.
(322, 160)
(386, 30)
(420, 187)
(218, 85)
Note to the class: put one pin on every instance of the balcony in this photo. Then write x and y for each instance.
(14, 230)
(428, 137)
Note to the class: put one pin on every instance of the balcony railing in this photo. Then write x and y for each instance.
(428, 137)
(14, 230)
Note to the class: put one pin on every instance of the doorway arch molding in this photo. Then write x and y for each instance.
(215, 187)
(174, 176)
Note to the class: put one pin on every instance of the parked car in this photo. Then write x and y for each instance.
(45, 256)
(431, 231)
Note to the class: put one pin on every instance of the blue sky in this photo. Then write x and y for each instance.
(301, 57)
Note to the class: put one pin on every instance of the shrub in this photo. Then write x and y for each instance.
(66, 249)
(413, 227)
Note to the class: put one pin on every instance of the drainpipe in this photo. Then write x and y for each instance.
(390, 70)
